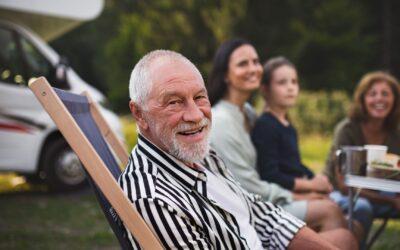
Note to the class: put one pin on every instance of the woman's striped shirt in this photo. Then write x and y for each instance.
(172, 198)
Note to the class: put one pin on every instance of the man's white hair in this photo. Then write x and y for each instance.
(140, 82)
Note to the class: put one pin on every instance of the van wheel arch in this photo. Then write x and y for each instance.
(53, 136)
(55, 147)
(39, 176)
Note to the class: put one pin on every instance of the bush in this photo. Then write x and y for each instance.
(316, 112)
(319, 112)
(130, 131)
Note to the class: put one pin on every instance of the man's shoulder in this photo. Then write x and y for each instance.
(140, 177)
(144, 179)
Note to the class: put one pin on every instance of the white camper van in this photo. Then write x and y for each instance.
(30, 143)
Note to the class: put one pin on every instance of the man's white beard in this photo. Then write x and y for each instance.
(194, 152)
(187, 153)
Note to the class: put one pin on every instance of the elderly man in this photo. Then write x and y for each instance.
(180, 187)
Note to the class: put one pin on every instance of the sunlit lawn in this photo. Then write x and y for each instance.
(30, 218)
(314, 150)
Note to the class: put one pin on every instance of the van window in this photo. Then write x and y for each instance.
(21, 62)
(37, 64)
(11, 68)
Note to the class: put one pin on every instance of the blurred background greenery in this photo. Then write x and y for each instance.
(333, 43)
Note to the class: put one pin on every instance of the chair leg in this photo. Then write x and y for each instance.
(377, 233)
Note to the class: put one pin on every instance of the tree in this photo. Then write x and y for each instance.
(193, 28)
(333, 43)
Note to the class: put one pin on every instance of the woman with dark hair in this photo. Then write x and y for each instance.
(217, 84)
(235, 75)
(275, 139)
(373, 119)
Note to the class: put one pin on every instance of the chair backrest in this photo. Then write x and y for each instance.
(79, 107)
(73, 116)
(109, 135)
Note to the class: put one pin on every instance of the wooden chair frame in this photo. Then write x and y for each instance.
(92, 161)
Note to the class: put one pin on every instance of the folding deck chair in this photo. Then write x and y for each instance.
(82, 125)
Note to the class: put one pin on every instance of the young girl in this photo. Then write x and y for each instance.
(275, 139)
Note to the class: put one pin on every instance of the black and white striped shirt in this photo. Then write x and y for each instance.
(173, 200)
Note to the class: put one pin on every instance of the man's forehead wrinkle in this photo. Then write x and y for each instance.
(166, 91)
(177, 78)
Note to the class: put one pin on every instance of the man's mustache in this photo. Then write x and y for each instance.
(187, 126)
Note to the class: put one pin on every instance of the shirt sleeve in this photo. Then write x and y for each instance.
(275, 227)
(173, 228)
(172, 225)
(228, 147)
(307, 171)
(266, 139)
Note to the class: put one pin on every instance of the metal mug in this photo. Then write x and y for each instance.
(352, 160)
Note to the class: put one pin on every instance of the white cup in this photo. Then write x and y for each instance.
(375, 153)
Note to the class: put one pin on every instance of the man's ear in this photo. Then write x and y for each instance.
(137, 113)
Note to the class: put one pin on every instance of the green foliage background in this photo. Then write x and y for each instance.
(333, 42)
(319, 112)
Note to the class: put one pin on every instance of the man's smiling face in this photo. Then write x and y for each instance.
(178, 112)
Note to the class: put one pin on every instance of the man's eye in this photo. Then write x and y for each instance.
(173, 102)
(200, 97)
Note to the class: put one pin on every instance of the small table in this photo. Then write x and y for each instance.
(355, 181)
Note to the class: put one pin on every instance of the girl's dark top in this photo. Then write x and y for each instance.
(278, 157)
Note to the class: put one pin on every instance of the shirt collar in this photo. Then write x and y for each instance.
(176, 168)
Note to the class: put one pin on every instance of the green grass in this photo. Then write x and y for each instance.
(31, 218)
(314, 150)
(130, 131)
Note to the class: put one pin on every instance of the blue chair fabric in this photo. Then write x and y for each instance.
(79, 108)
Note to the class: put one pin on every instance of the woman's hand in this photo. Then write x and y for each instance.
(318, 184)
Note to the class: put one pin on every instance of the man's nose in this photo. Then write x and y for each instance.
(192, 113)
